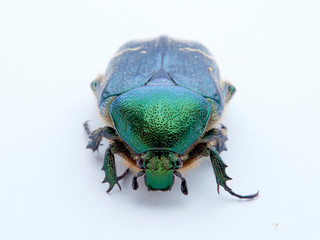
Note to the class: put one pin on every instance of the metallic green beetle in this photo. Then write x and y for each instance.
(162, 101)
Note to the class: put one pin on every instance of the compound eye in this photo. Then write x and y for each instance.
(140, 163)
(178, 163)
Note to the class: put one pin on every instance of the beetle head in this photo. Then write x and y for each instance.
(158, 168)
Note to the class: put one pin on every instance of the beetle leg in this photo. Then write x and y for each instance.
(218, 136)
(109, 168)
(135, 184)
(97, 135)
(219, 168)
(184, 187)
(86, 128)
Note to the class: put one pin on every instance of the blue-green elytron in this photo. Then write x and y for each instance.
(162, 102)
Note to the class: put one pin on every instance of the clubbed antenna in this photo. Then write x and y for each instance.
(135, 184)
(184, 188)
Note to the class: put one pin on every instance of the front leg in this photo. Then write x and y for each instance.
(97, 135)
(109, 168)
(219, 168)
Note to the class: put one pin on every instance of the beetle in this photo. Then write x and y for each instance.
(162, 101)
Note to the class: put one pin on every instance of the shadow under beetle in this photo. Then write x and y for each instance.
(162, 102)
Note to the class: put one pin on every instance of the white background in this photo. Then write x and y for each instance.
(50, 185)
